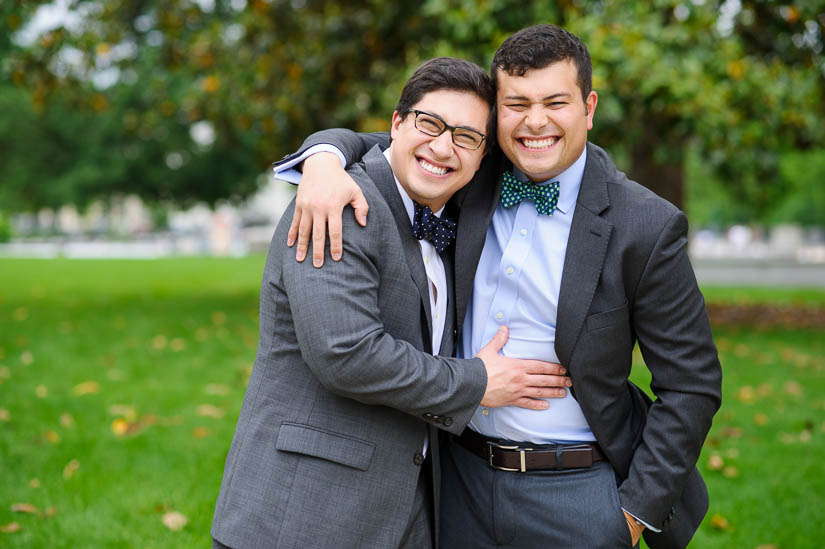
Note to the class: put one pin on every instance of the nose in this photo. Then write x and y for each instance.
(442, 146)
(536, 118)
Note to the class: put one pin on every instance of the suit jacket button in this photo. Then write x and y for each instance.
(447, 421)
(418, 459)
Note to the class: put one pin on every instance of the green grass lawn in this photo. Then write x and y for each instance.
(121, 381)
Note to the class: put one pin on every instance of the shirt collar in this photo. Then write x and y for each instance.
(570, 180)
(409, 205)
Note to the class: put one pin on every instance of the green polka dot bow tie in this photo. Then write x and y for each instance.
(514, 191)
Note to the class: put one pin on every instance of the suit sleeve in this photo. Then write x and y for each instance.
(675, 339)
(352, 145)
(343, 340)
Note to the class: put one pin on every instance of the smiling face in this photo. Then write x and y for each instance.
(542, 119)
(430, 168)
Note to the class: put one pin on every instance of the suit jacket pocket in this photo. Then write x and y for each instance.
(604, 319)
(312, 441)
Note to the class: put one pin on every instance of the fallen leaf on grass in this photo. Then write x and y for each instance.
(5, 373)
(120, 427)
(793, 388)
(767, 546)
(201, 432)
(715, 462)
(4, 415)
(86, 388)
(128, 412)
(174, 520)
(27, 358)
(52, 436)
(10, 528)
(66, 420)
(34, 483)
(178, 344)
(50, 512)
(71, 468)
(732, 432)
(218, 318)
(746, 394)
(719, 522)
(41, 391)
(20, 314)
(760, 419)
(25, 508)
(207, 410)
(159, 342)
(216, 389)
(730, 471)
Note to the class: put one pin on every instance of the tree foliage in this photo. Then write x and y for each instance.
(742, 81)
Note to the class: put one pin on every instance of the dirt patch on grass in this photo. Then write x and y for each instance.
(779, 316)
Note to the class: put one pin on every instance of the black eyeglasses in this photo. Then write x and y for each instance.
(434, 126)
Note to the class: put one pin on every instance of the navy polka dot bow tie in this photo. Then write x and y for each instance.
(427, 225)
(514, 190)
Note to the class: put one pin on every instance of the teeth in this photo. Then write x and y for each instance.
(435, 170)
(539, 143)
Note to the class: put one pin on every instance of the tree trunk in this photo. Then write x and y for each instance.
(664, 176)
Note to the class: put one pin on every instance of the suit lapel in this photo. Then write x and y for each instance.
(379, 171)
(584, 259)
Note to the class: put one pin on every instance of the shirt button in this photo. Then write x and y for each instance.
(510, 270)
(523, 232)
(485, 412)
(418, 459)
(499, 315)
(447, 421)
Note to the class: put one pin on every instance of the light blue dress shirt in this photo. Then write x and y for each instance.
(517, 285)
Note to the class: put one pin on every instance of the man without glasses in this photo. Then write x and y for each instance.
(581, 264)
(336, 444)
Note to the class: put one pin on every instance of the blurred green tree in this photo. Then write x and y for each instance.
(741, 81)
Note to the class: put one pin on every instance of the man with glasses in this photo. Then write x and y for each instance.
(337, 440)
(581, 264)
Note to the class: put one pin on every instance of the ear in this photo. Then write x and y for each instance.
(396, 122)
(590, 107)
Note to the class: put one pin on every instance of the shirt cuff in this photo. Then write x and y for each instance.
(649, 527)
(288, 171)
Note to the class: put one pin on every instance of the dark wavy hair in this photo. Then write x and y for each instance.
(450, 73)
(539, 46)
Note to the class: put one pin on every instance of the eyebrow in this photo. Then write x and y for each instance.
(546, 98)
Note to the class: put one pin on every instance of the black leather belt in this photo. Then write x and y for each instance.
(530, 457)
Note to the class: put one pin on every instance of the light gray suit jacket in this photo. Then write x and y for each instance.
(626, 279)
(343, 390)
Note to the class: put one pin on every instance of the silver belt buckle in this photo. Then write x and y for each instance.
(514, 448)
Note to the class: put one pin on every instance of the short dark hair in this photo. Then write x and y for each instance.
(450, 73)
(539, 46)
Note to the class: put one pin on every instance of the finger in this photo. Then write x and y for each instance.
(336, 245)
(546, 380)
(319, 230)
(541, 367)
(546, 392)
(498, 340)
(293, 227)
(304, 231)
(531, 404)
(360, 207)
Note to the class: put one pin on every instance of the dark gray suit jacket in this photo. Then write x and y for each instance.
(343, 390)
(626, 279)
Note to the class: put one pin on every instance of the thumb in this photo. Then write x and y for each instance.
(497, 342)
(359, 204)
